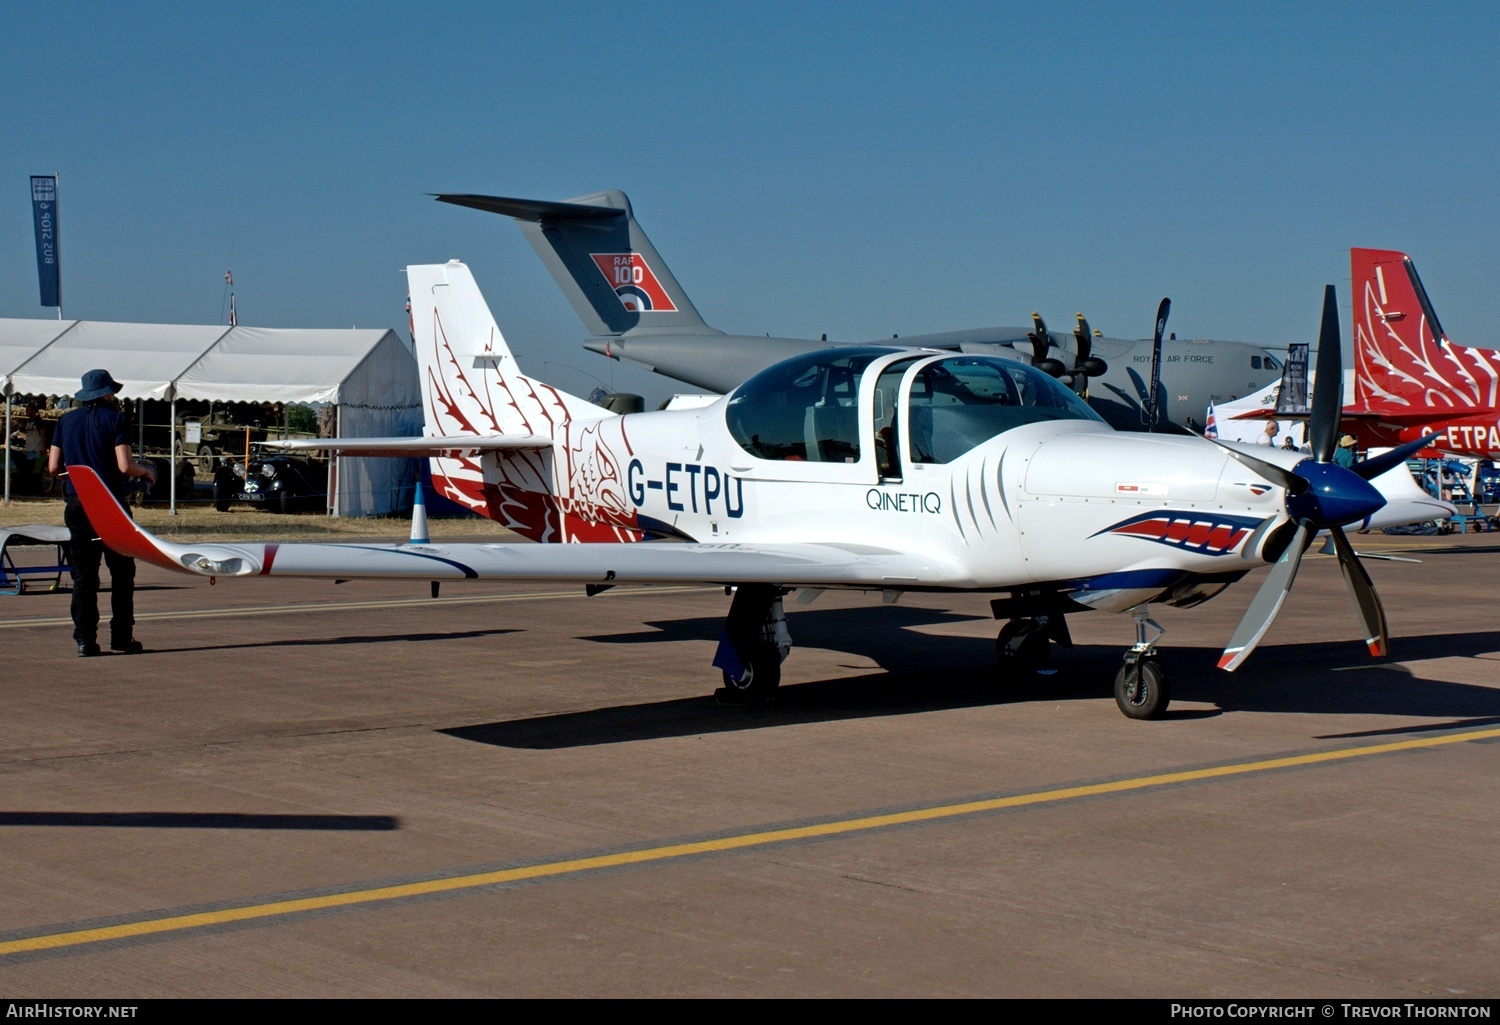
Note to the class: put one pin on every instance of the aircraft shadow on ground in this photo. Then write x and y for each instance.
(1448, 550)
(943, 673)
(197, 820)
(455, 635)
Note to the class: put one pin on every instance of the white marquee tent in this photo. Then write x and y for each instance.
(369, 376)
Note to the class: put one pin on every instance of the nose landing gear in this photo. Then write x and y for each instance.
(1141, 688)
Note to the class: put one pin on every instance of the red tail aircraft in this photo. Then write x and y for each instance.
(1409, 379)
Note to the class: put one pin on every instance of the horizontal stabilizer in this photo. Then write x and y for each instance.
(451, 447)
(530, 209)
(601, 259)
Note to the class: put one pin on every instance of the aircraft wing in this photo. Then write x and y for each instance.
(820, 565)
(451, 446)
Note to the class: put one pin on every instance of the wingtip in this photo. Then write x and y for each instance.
(109, 518)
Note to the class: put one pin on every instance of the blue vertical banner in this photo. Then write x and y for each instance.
(44, 213)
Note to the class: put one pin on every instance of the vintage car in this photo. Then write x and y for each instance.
(275, 482)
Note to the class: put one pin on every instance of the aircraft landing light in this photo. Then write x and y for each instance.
(146, 927)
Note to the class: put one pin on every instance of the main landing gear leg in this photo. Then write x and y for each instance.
(1141, 688)
(1023, 645)
(754, 644)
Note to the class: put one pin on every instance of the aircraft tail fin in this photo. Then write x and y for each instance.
(1402, 357)
(472, 387)
(471, 382)
(602, 261)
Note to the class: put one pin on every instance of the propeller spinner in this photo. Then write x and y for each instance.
(1321, 495)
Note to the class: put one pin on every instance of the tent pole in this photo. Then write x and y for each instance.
(7, 447)
(338, 461)
(172, 459)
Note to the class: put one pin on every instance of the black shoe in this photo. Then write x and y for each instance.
(87, 649)
(130, 647)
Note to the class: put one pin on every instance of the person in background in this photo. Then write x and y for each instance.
(1344, 454)
(36, 442)
(96, 435)
(1269, 436)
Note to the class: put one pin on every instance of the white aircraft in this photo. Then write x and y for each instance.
(870, 468)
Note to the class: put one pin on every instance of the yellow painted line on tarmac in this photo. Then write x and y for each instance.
(720, 845)
(374, 603)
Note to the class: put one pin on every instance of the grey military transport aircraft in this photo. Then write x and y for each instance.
(636, 311)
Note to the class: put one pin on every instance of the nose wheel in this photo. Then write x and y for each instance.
(1141, 688)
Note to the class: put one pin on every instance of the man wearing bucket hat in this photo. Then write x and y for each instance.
(96, 435)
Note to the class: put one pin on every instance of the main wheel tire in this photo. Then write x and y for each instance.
(205, 458)
(1141, 689)
(762, 677)
(1034, 652)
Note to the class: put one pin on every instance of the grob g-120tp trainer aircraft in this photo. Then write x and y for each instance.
(863, 467)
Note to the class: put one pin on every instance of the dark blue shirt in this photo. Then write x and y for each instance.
(87, 437)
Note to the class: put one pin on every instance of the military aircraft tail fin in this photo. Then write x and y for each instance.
(1402, 358)
(602, 261)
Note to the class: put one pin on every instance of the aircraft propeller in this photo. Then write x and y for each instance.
(1085, 364)
(1041, 341)
(1321, 495)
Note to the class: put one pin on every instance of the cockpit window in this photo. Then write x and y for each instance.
(805, 409)
(960, 402)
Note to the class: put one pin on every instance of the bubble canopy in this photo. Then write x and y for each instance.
(808, 408)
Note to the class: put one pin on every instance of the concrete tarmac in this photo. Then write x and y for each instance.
(314, 790)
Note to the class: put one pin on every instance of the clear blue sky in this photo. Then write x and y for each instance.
(856, 168)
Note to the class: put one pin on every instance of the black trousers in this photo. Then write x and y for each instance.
(84, 551)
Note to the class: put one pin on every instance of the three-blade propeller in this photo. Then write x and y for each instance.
(1320, 495)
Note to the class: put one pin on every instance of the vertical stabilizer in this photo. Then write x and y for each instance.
(471, 383)
(1402, 358)
(472, 386)
(602, 261)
